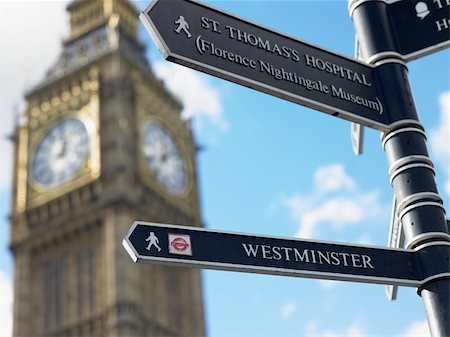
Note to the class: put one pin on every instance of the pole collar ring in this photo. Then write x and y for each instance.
(413, 198)
(412, 159)
(417, 241)
(407, 167)
(386, 136)
(353, 4)
(384, 55)
(387, 57)
(422, 204)
(434, 243)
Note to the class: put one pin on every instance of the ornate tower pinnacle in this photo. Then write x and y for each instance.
(87, 15)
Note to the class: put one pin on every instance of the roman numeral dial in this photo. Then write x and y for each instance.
(163, 157)
(62, 151)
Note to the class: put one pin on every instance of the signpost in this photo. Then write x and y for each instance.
(374, 94)
(411, 171)
(204, 38)
(199, 247)
(203, 248)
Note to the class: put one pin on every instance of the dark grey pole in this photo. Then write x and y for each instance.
(410, 169)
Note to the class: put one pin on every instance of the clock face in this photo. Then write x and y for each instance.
(61, 153)
(163, 157)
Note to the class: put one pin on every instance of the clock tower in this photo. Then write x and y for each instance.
(101, 145)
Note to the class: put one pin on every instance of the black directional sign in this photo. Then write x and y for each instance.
(420, 27)
(204, 38)
(198, 247)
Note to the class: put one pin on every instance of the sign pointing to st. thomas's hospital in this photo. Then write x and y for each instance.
(198, 36)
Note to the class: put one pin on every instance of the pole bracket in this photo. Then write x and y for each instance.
(435, 263)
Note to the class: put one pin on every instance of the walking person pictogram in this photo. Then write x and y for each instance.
(153, 241)
(182, 26)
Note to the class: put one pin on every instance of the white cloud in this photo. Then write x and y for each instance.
(417, 329)
(288, 309)
(200, 99)
(353, 330)
(364, 240)
(356, 329)
(328, 284)
(333, 178)
(6, 306)
(338, 212)
(336, 201)
(30, 40)
(440, 139)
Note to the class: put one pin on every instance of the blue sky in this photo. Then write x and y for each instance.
(267, 166)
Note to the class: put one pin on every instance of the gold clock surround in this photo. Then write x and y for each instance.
(154, 104)
(72, 275)
(81, 102)
(148, 175)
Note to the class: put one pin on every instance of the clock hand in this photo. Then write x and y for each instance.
(58, 148)
(164, 157)
(64, 148)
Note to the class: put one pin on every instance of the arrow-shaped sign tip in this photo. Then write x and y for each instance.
(130, 250)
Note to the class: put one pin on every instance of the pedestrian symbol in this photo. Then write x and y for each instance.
(182, 26)
(153, 241)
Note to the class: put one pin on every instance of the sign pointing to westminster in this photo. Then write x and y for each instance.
(203, 248)
(201, 37)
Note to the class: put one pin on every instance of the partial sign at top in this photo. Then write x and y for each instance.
(420, 27)
(198, 36)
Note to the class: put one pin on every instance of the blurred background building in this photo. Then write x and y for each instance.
(101, 145)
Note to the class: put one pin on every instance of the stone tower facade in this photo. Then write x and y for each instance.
(101, 145)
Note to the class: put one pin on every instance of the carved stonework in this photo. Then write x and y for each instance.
(82, 178)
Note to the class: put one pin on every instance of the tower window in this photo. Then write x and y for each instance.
(53, 292)
(86, 280)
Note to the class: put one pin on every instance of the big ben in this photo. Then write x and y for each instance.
(101, 145)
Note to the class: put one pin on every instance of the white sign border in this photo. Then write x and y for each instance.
(268, 89)
(136, 257)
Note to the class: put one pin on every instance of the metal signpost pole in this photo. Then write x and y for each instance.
(411, 171)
